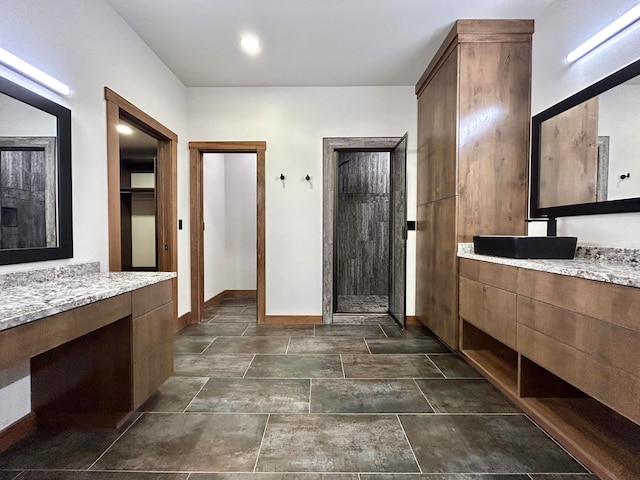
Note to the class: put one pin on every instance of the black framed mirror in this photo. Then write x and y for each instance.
(585, 150)
(35, 177)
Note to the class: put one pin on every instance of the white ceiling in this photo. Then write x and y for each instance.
(305, 42)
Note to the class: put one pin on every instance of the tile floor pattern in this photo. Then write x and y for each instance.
(284, 402)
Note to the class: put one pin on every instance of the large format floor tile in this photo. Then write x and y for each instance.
(368, 331)
(328, 443)
(295, 366)
(367, 396)
(389, 366)
(174, 394)
(273, 476)
(474, 395)
(68, 449)
(328, 345)
(187, 442)
(253, 395)
(280, 330)
(407, 345)
(212, 365)
(248, 345)
(452, 366)
(67, 475)
(484, 444)
(446, 476)
(214, 330)
(191, 344)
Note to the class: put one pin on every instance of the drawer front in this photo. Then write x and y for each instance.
(490, 309)
(612, 386)
(151, 297)
(494, 274)
(607, 343)
(605, 301)
(152, 352)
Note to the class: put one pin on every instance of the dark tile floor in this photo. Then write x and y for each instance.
(284, 402)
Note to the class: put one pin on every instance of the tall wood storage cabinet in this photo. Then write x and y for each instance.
(474, 110)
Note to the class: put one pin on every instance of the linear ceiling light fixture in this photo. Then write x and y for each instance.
(606, 33)
(28, 70)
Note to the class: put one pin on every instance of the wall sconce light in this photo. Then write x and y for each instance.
(605, 34)
(14, 63)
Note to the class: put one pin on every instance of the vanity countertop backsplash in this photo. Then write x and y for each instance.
(620, 266)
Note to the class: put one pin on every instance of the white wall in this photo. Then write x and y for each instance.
(213, 193)
(293, 122)
(240, 221)
(86, 45)
(619, 119)
(563, 26)
(229, 191)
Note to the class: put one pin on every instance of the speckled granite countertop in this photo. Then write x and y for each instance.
(609, 265)
(35, 294)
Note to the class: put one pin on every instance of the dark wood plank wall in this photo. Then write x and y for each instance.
(362, 223)
(22, 195)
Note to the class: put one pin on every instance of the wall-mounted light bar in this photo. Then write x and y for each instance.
(606, 33)
(20, 66)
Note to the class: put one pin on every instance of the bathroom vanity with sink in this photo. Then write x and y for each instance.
(562, 339)
(98, 344)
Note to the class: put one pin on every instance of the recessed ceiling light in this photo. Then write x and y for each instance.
(124, 129)
(250, 44)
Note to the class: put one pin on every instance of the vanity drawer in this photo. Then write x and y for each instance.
(491, 309)
(501, 276)
(151, 297)
(605, 342)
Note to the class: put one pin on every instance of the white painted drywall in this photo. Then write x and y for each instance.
(563, 26)
(240, 221)
(229, 193)
(86, 45)
(293, 122)
(214, 201)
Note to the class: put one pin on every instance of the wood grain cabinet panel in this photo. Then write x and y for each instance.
(501, 276)
(611, 303)
(491, 309)
(473, 144)
(150, 297)
(152, 352)
(614, 387)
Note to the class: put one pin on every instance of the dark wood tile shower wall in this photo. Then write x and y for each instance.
(362, 224)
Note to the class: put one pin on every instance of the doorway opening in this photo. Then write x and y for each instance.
(364, 234)
(229, 248)
(163, 247)
(197, 153)
(138, 202)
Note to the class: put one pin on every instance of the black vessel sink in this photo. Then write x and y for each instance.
(525, 247)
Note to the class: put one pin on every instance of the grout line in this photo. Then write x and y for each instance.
(194, 397)
(245, 331)
(261, 442)
(310, 388)
(342, 365)
(385, 333)
(367, 344)
(434, 364)
(425, 397)
(286, 350)
(249, 366)
(114, 442)
(409, 443)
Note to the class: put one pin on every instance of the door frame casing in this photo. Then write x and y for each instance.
(196, 156)
(330, 148)
(166, 186)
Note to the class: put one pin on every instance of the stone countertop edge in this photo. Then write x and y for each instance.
(608, 265)
(24, 303)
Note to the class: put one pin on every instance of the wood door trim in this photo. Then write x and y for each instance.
(196, 152)
(167, 185)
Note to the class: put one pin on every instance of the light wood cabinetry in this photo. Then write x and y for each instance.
(473, 145)
(567, 350)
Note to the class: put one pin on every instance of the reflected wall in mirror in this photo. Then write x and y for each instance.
(35, 177)
(583, 146)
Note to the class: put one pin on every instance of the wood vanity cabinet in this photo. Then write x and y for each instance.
(473, 148)
(152, 339)
(565, 349)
